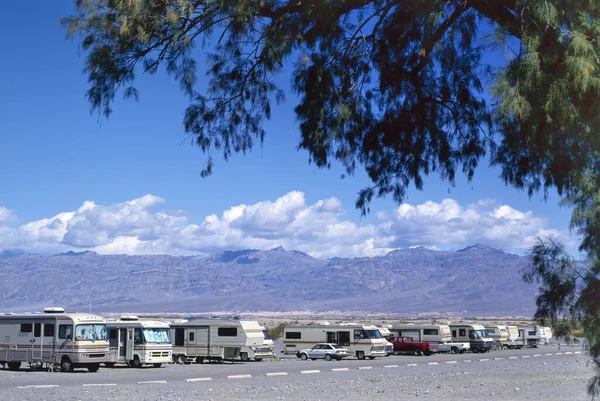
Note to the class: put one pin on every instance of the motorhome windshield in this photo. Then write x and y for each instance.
(266, 334)
(90, 332)
(161, 336)
(372, 334)
(481, 333)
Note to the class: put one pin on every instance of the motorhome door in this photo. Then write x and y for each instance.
(129, 344)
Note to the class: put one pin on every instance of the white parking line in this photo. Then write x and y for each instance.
(390, 366)
(578, 352)
(277, 374)
(154, 382)
(568, 353)
(365, 367)
(484, 360)
(451, 362)
(536, 355)
(433, 363)
(239, 376)
(40, 386)
(550, 354)
(411, 364)
(497, 359)
(559, 353)
(525, 356)
(467, 361)
(99, 384)
(513, 357)
(199, 379)
(307, 372)
(340, 369)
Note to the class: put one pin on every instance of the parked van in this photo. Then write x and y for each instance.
(476, 334)
(360, 340)
(500, 336)
(258, 353)
(138, 342)
(53, 338)
(213, 339)
(432, 333)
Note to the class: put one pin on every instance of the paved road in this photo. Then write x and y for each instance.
(211, 372)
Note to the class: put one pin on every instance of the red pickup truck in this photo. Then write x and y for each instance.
(404, 344)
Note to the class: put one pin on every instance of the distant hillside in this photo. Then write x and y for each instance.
(475, 281)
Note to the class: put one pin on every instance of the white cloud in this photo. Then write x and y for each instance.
(136, 227)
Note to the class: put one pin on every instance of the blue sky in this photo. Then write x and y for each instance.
(131, 184)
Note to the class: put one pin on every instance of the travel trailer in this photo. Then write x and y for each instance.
(53, 339)
(476, 334)
(360, 340)
(431, 333)
(213, 339)
(138, 342)
(500, 336)
(534, 335)
(258, 353)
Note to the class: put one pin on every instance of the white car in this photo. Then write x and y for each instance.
(324, 351)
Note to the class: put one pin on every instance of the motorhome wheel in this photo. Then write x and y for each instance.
(13, 365)
(93, 367)
(157, 365)
(109, 364)
(475, 349)
(135, 362)
(360, 355)
(65, 364)
(258, 359)
(244, 356)
(181, 359)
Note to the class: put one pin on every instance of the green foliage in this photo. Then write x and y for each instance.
(277, 331)
(394, 87)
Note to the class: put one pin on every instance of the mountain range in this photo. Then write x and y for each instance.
(475, 281)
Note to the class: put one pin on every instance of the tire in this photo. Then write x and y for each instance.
(371, 357)
(483, 350)
(360, 355)
(157, 365)
(258, 359)
(244, 356)
(66, 365)
(417, 352)
(13, 365)
(181, 359)
(93, 367)
(135, 362)
(109, 364)
(304, 357)
(328, 357)
(475, 349)
(199, 360)
(454, 350)
(462, 351)
(427, 353)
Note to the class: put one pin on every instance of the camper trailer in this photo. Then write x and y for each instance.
(258, 353)
(359, 339)
(431, 333)
(138, 342)
(213, 339)
(53, 339)
(500, 336)
(532, 336)
(476, 334)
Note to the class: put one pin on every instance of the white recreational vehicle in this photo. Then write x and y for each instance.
(138, 342)
(360, 340)
(258, 353)
(475, 333)
(386, 333)
(53, 338)
(431, 333)
(534, 335)
(213, 339)
(500, 335)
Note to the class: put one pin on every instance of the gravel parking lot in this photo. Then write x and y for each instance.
(547, 377)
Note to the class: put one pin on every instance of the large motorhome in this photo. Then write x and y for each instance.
(500, 335)
(475, 333)
(360, 340)
(138, 342)
(53, 339)
(213, 339)
(431, 333)
(258, 353)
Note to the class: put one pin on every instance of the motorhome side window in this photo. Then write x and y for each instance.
(358, 334)
(112, 334)
(471, 333)
(49, 330)
(26, 328)
(191, 336)
(293, 335)
(65, 331)
(531, 333)
(37, 330)
(227, 332)
(453, 333)
(430, 332)
(462, 332)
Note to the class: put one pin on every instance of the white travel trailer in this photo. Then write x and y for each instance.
(534, 335)
(213, 339)
(260, 352)
(53, 338)
(138, 342)
(431, 333)
(359, 339)
(475, 333)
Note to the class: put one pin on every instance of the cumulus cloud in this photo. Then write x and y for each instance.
(319, 229)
